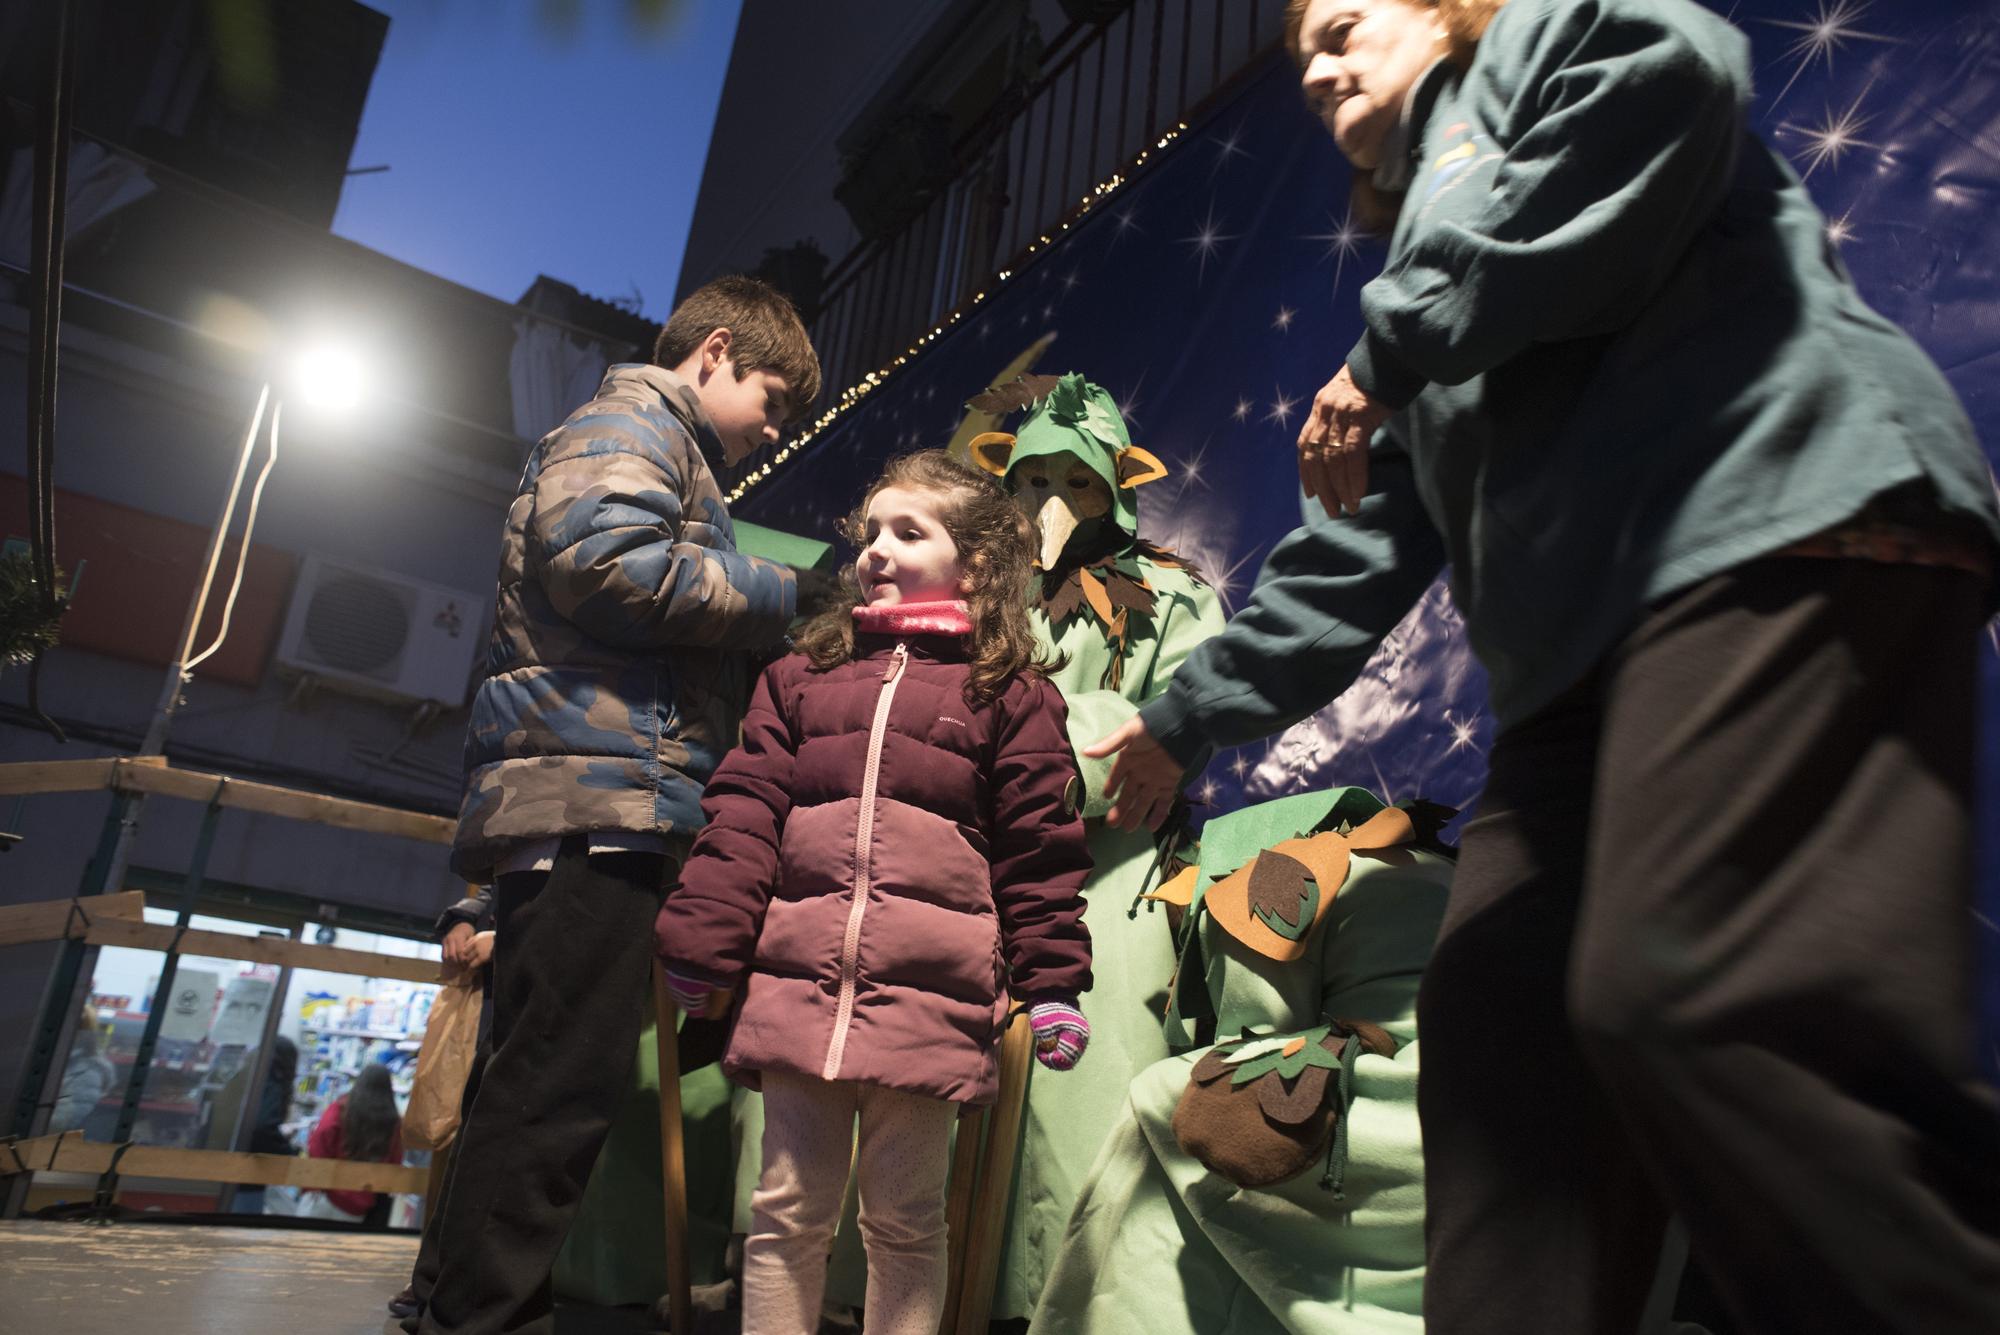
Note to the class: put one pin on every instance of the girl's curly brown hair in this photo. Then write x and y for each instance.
(995, 550)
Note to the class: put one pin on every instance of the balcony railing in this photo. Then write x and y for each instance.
(1106, 92)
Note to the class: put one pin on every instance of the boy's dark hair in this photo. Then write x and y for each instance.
(765, 332)
(995, 550)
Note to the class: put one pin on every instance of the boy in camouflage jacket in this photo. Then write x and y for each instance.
(615, 681)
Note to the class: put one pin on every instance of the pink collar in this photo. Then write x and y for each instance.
(943, 617)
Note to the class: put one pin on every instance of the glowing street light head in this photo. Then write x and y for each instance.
(329, 377)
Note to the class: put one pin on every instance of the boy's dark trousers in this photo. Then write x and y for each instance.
(1709, 951)
(570, 996)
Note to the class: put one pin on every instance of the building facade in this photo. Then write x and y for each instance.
(205, 167)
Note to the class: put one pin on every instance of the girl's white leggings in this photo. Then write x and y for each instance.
(901, 1156)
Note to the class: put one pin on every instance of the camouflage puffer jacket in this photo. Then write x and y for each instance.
(617, 674)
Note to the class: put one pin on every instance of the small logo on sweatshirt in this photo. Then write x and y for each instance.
(955, 722)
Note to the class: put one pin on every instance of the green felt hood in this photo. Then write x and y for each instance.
(1080, 418)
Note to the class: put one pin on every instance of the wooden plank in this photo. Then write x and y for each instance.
(150, 774)
(264, 950)
(47, 920)
(287, 803)
(73, 1154)
(55, 776)
(113, 920)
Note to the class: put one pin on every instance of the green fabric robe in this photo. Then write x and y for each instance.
(1132, 955)
(1160, 1245)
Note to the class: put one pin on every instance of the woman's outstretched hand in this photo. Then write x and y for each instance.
(1144, 779)
(1333, 444)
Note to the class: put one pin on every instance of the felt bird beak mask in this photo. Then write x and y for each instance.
(1070, 464)
(1059, 493)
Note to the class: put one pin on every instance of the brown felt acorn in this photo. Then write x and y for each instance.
(1284, 1098)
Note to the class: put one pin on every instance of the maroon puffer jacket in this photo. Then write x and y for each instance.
(887, 862)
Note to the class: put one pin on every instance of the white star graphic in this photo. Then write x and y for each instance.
(1282, 410)
(1225, 149)
(1242, 412)
(1191, 468)
(1239, 764)
(1830, 28)
(1128, 407)
(1207, 791)
(1127, 222)
(1342, 243)
(1206, 241)
(1282, 321)
(1226, 580)
(1840, 231)
(1831, 140)
(1048, 311)
(1462, 732)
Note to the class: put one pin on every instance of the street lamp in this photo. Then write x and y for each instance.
(328, 376)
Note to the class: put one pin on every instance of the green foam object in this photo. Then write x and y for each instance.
(777, 545)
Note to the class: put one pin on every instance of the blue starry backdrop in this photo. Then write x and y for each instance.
(1216, 290)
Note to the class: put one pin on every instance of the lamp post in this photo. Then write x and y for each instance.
(328, 377)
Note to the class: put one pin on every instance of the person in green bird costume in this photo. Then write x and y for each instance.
(1270, 1178)
(1122, 614)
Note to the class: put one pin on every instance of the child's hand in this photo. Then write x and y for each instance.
(1061, 1033)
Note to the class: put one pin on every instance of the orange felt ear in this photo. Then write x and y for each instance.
(1137, 467)
(991, 450)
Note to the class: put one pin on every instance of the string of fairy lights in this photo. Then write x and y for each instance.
(882, 374)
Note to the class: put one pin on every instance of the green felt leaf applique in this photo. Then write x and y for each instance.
(1289, 1058)
(1277, 884)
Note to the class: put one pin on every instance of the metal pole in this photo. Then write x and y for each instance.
(129, 805)
(48, 231)
(142, 1060)
(55, 1025)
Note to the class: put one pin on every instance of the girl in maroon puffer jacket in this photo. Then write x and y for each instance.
(891, 852)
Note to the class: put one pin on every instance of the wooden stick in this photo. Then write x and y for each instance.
(673, 1161)
(996, 1177)
(958, 1211)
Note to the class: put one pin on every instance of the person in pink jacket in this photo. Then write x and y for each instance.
(892, 852)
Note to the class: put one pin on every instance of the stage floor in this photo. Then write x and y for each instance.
(192, 1279)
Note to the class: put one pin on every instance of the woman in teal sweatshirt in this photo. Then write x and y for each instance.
(1723, 539)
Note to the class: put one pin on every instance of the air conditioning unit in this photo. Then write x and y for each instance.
(380, 634)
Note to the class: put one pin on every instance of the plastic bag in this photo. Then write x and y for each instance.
(450, 1039)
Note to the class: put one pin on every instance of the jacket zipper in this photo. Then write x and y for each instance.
(864, 836)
